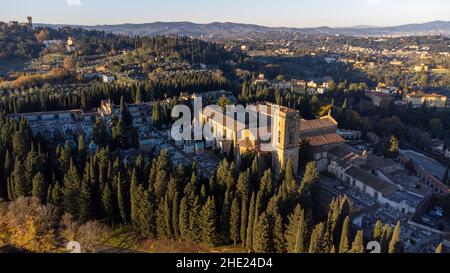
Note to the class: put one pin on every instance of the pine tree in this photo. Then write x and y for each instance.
(39, 187)
(71, 191)
(344, 243)
(235, 221)
(396, 246)
(208, 223)
(262, 243)
(358, 243)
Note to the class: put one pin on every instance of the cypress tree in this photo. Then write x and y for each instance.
(71, 191)
(122, 199)
(244, 219)
(208, 223)
(39, 187)
(386, 238)
(279, 241)
(235, 223)
(19, 181)
(175, 217)
(224, 221)
(316, 244)
(344, 243)
(439, 249)
(378, 231)
(195, 229)
(168, 216)
(146, 213)
(251, 220)
(184, 219)
(396, 246)
(107, 203)
(82, 153)
(310, 190)
(296, 232)
(358, 243)
(134, 198)
(262, 243)
(86, 201)
(163, 170)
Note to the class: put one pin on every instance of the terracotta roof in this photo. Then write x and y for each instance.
(371, 181)
(307, 125)
(325, 139)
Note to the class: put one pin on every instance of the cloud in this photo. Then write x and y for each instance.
(374, 2)
(73, 2)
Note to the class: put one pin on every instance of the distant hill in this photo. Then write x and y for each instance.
(227, 30)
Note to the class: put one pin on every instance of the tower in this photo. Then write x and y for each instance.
(30, 22)
(285, 139)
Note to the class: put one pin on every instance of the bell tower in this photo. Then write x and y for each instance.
(285, 139)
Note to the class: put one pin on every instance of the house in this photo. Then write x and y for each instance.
(419, 99)
(379, 99)
(382, 192)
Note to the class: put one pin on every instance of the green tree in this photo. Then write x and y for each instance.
(86, 201)
(296, 232)
(39, 187)
(396, 246)
(358, 243)
(71, 191)
(344, 243)
(317, 236)
(208, 223)
(122, 198)
(262, 243)
(107, 203)
(439, 248)
(235, 221)
(251, 220)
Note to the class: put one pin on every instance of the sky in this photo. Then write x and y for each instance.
(276, 13)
